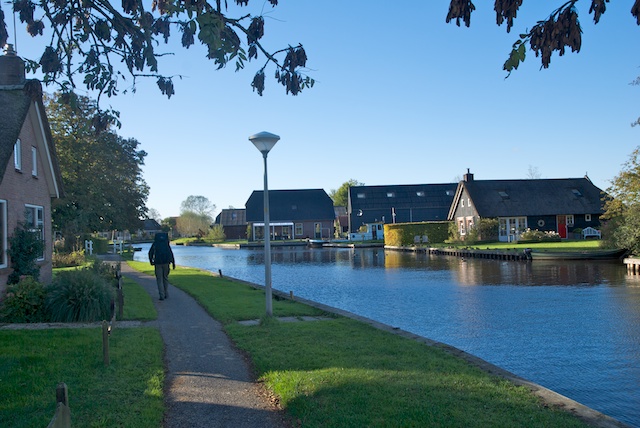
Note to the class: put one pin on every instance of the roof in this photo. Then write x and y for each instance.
(502, 198)
(291, 205)
(430, 202)
(232, 217)
(20, 99)
(151, 224)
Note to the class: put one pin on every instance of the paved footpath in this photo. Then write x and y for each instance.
(208, 382)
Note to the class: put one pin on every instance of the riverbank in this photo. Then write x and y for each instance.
(344, 369)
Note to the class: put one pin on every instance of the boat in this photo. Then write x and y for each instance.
(315, 243)
(578, 255)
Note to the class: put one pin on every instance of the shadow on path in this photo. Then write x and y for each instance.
(208, 382)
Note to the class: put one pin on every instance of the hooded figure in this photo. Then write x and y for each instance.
(161, 256)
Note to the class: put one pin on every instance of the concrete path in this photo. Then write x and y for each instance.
(208, 382)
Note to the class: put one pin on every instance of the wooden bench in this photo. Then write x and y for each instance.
(590, 232)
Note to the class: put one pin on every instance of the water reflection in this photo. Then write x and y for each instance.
(573, 327)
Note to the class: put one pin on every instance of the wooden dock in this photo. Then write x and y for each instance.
(513, 255)
(633, 265)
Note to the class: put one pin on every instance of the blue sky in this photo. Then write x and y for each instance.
(401, 97)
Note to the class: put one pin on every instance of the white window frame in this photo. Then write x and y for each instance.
(299, 229)
(570, 220)
(3, 234)
(17, 155)
(36, 222)
(587, 217)
(34, 161)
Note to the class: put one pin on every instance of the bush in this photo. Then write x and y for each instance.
(74, 258)
(24, 302)
(538, 235)
(25, 246)
(79, 296)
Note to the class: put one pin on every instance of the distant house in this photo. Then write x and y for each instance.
(293, 214)
(149, 229)
(234, 223)
(558, 205)
(398, 204)
(28, 163)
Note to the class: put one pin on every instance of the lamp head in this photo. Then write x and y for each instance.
(264, 141)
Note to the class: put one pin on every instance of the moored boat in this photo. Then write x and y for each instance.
(578, 255)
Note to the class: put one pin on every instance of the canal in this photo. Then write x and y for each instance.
(573, 327)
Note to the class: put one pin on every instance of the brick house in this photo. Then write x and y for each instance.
(29, 172)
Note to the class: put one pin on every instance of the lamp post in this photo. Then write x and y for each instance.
(264, 141)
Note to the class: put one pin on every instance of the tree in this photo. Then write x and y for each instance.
(559, 31)
(153, 213)
(199, 205)
(622, 207)
(192, 224)
(341, 195)
(101, 171)
(533, 172)
(100, 42)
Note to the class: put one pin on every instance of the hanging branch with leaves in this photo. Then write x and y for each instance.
(94, 41)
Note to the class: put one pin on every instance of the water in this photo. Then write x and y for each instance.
(573, 327)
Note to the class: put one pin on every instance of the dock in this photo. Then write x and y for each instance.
(633, 265)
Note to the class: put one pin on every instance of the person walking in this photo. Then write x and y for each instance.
(161, 256)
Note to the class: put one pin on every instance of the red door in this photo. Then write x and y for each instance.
(562, 226)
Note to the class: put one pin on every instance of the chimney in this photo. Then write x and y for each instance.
(468, 176)
(11, 68)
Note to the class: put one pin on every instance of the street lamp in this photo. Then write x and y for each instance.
(264, 141)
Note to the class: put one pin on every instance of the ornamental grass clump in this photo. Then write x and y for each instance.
(24, 302)
(79, 296)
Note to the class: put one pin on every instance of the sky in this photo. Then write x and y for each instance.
(401, 97)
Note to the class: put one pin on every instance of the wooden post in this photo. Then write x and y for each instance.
(120, 303)
(105, 342)
(220, 273)
(62, 417)
(62, 394)
(291, 295)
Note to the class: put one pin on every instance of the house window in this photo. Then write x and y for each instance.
(420, 193)
(286, 232)
(576, 192)
(3, 234)
(360, 195)
(294, 207)
(469, 202)
(570, 221)
(34, 161)
(299, 229)
(391, 195)
(17, 155)
(587, 217)
(34, 220)
(461, 227)
(462, 203)
(449, 192)
(503, 195)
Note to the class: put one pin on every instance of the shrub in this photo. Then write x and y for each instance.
(25, 246)
(24, 302)
(538, 235)
(74, 258)
(79, 296)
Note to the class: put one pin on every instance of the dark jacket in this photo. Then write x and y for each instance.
(160, 252)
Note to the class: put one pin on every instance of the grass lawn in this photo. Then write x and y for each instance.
(344, 373)
(580, 245)
(127, 393)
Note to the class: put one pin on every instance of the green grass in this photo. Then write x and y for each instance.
(580, 245)
(227, 300)
(137, 302)
(127, 393)
(344, 373)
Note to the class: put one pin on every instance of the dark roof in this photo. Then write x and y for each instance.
(16, 98)
(430, 202)
(291, 205)
(500, 198)
(151, 224)
(232, 217)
